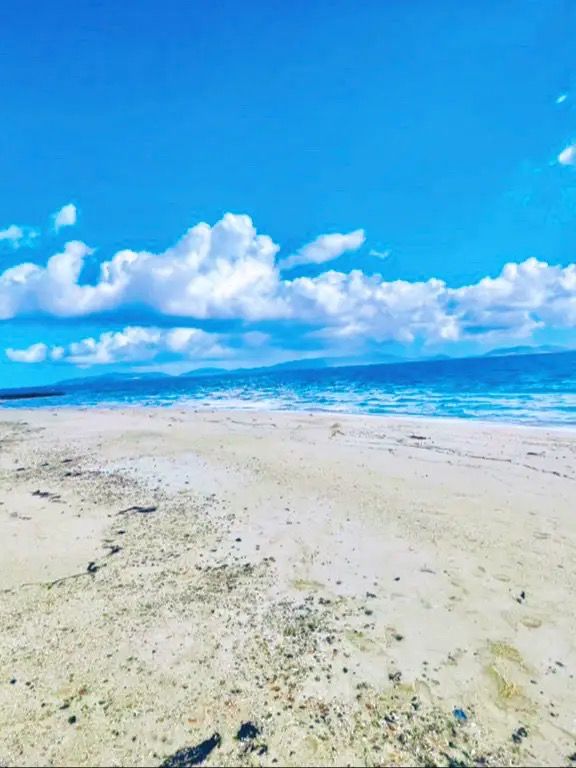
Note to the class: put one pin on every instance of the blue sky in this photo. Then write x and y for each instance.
(422, 138)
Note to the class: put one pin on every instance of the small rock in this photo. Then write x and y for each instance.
(247, 731)
(519, 734)
(193, 755)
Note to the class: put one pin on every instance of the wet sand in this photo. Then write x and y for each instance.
(364, 591)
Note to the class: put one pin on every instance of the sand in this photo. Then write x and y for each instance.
(365, 591)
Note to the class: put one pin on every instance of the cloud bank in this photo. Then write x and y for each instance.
(132, 344)
(229, 271)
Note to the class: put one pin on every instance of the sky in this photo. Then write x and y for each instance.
(194, 184)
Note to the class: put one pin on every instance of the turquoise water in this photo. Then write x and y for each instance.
(527, 389)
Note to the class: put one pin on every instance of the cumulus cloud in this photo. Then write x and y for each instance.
(325, 248)
(130, 345)
(568, 155)
(225, 271)
(36, 353)
(229, 271)
(11, 234)
(65, 217)
(16, 236)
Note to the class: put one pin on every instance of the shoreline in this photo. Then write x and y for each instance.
(363, 590)
(392, 418)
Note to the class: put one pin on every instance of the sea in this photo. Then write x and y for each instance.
(534, 389)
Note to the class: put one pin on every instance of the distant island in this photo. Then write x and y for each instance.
(309, 364)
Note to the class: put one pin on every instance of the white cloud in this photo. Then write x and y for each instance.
(130, 345)
(36, 353)
(228, 271)
(568, 155)
(65, 217)
(12, 234)
(325, 248)
(16, 236)
(379, 254)
(224, 271)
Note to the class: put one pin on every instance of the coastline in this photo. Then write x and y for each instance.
(198, 408)
(346, 582)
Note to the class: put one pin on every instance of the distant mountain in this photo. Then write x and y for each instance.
(205, 372)
(310, 364)
(544, 349)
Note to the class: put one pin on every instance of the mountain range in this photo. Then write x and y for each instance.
(310, 364)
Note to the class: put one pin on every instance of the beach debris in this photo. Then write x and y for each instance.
(193, 755)
(460, 715)
(572, 757)
(140, 510)
(45, 494)
(418, 437)
(519, 734)
(72, 719)
(92, 567)
(521, 597)
(247, 731)
(336, 429)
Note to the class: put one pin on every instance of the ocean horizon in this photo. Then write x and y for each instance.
(531, 389)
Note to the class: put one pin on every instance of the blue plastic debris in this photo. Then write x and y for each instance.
(460, 715)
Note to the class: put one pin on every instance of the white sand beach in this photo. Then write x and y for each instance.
(365, 591)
